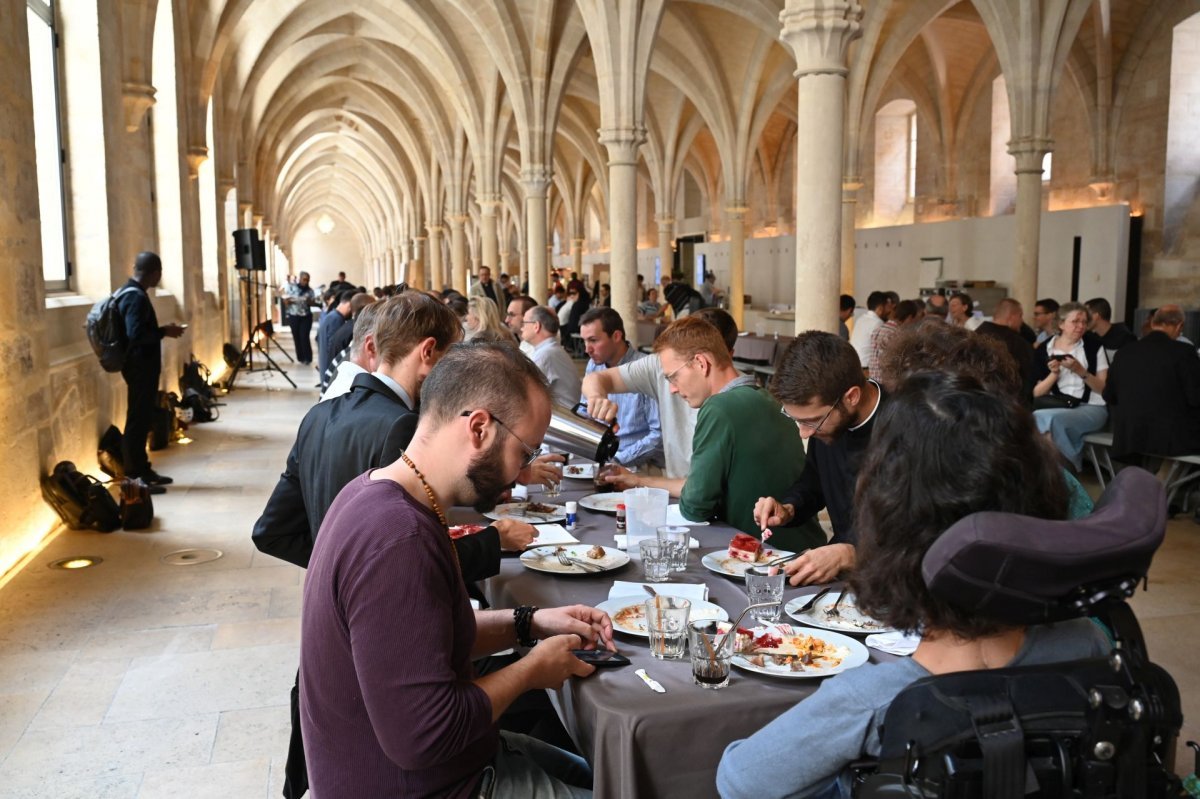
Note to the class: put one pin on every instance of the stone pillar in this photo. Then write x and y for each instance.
(434, 259)
(416, 266)
(819, 33)
(1029, 154)
(850, 187)
(536, 181)
(458, 250)
(622, 145)
(735, 218)
(666, 246)
(489, 245)
(577, 258)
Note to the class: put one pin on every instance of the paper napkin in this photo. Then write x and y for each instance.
(623, 542)
(896, 643)
(552, 535)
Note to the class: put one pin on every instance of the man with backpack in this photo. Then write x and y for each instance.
(143, 365)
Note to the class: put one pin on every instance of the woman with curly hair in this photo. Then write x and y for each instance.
(944, 448)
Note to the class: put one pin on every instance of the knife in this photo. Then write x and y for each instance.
(653, 683)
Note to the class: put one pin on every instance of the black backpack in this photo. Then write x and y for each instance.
(80, 500)
(105, 327)
(203, 408)
(137, 506)
(195, 376)
(163, 422)
(110, 455)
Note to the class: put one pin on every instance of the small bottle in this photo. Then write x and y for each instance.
(621, 518)
(572, 516)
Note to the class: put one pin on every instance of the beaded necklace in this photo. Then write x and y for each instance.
(433, 501)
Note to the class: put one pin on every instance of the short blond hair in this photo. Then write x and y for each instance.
(690, 336)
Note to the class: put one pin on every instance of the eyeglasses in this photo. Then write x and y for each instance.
(671, 377)
(531, 454)
(529, 321)
(816, 428)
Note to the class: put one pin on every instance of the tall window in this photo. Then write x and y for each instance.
(48, 152)
(911, 192)
(895, 162)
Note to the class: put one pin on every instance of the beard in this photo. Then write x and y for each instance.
(486, 476)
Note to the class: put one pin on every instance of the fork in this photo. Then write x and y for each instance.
(565, 560)
(833, 610)
(813, 600)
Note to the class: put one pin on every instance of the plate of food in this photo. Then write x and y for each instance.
(580, 471)
(531, 512)
(743, 552)
(781, 650)
(460, 530)
(844, 618)
(588, 560)
(628, 613)
(604, 503)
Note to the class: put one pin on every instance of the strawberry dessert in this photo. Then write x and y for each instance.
(745, 547)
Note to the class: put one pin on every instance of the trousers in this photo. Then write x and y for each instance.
(141, 400)
(302, 336)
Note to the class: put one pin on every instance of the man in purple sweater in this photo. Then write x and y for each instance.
(390, 705)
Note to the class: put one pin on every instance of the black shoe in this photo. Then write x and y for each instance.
(156, 489)
(153, 478)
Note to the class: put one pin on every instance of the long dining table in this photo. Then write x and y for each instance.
(641, 743)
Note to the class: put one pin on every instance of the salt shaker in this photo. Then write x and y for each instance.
(572, 515)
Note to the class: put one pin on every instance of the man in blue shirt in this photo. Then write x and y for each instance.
(638, 427)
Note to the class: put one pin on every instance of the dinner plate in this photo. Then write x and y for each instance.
(720, 562)
(604, 503)
(580, 471)
(518, 511)
(633, 622)
(848, 619)
(852, 653)
(544, 559)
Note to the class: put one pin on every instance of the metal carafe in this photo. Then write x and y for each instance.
(573, 431)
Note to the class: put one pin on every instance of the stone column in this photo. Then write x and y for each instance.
(536, 181)
(735, 218)
(622, 145)
(416, 266)
(489, 207)
(850, 187)
(666, 246)
(819, 33)
(458, 250)
(577, 258)
(1029, 154)
(434, 259)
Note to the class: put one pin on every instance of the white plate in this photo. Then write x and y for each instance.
(516, 512)
(848, 620)
(605, 503)
(543, 559)
(699, 610)
(855, 654)
(721, 563)
(580, 471)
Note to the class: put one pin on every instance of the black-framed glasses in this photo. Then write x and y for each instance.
(671, 377)
(815, 427)
(531, 453)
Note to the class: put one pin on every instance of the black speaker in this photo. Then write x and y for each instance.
(260, 255)
(243, 246)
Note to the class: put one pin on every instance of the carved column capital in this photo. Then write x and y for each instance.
(819, 33)
(136, 99)
(623, 144)
(1030, 152)
(536, 180)
(197, 154)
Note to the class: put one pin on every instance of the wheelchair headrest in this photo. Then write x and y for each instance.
(1021, 570)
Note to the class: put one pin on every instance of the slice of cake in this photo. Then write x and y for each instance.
(745, 547)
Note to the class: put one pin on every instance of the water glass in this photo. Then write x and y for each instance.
(711, 646)
(656, 560)
(552, 489)
(666, 622)
(678, 538)
(765, 584)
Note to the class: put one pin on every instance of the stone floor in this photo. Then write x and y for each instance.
(139, 679)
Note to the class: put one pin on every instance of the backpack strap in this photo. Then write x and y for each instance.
(1002, 741)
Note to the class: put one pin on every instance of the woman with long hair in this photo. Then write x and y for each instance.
(482, 314)
(943, 448)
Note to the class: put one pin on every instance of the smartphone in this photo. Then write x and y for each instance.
(1059, 357)
(601, 658)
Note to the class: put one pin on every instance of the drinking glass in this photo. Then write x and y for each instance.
(656, 560)
(678, 538)
(552, 489)
(711, 646)
(666, 623)
(765, 584)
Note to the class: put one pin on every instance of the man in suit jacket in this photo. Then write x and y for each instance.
(1153, 392)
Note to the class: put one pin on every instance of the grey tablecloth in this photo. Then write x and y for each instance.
(641, 743)
(757, 349)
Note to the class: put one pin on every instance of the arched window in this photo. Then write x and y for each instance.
(1182, 189)
(168, 183)
(48, 148)
(895, 162)
(206, 184)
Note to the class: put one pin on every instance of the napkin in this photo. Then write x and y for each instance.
(552, 535)
(697, 592)
(623, 542)
(520, 493)
(896, 643)
(675, 517)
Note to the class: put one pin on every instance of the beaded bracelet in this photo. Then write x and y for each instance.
(523, 620)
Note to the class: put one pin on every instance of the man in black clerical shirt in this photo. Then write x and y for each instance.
(821, 385)
(1005, 327)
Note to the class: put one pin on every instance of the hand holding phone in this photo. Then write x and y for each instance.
(601, 658)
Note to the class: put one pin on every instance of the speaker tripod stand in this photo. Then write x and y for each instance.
(245, 361)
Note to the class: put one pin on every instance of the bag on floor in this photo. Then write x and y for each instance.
(162, 423)
(110, 455)
(80, 500)
(137, 506)
(196, 376)
(203, 409)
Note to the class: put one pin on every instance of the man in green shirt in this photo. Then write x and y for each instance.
(742, 444)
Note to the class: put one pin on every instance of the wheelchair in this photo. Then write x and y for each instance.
(1090, 729)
